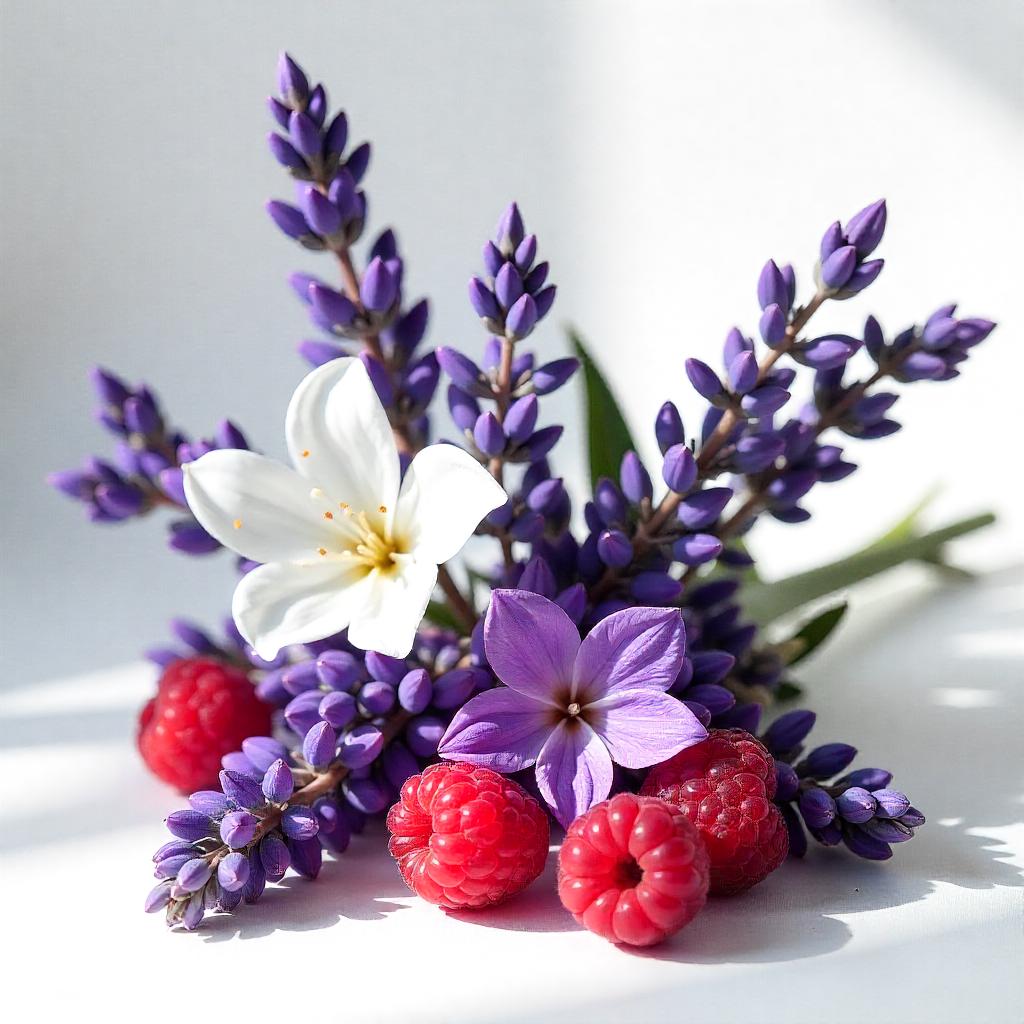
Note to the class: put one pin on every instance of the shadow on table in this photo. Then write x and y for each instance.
(348, 887)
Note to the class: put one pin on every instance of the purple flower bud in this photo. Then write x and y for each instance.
(141, 416)
(541, 442)
(544, 299)
(384, 667)
(119, 500)
(704, 380)
(668, 427)
(743, 372)
(361, 746)
(158, 897)
(253, 888)
(209, 801)
(337, 310)
(679, 469)
(573, 601)
(655, 588)
(526, 253)
(509, 232)
(377, 698)
(285, 154)
(788, 731)
(453, 688)
(189, 825)
(357, 162)
(700, 510)
(237, 762)
(717, 699)
(742, 716)
(483, 300)
(868, 778)
(379, 378)
(462, 370)
(755, 454)
(337, 135)
(859, 842)
(887, 831)
(913, 818)
(366, 795)
(551, 376)
(547, 497)
(233, 872)
(337, 669)
(891, 803)
(838, 267)
(696, 548)
(274, 856)
(614, 549)
(317, 352)
(319, 745)
(521, 419)
(339, 708)
(634, 478)
(772, 326)
(379, 287)
(862, 276)
(243, 789)
(710, 667)
(414, 691)
(304, 134)
(701, 713)
(827, 352)
(787, 782)
(194, 874)
(300, 678)
(864, 230)
(423, 734)
(292, 83)
(488, 434)
(237, 829)
(831, 240)
(921, 366)
(827, 760)
(817, 808)
(610, 503)
(789, 278)
(771, 287)
(508, 285)
(522, 317)
(278, 782)
(765, 401)
(303, 712)
(299, 823)
(464, 408)
(492, 258)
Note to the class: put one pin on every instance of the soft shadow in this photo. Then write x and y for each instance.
(18, 731)
(347, 887)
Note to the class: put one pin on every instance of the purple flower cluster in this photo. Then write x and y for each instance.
(145, 472)
(353, 726)
(858, 809)
(368, 311)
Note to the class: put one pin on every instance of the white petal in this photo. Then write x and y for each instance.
(280, 604)
(390, 615)
(257, 507)
(340, 440)
(445, 494)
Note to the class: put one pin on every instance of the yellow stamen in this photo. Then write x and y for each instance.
(382, 509)
(323, 551)
(328, 515)
(305, 453)
(237, 524)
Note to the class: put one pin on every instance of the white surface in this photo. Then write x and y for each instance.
(661, 150)
(926, 680)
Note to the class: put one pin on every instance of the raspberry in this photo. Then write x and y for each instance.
(724, 786)
(633, 870)
(203, 710)
(466, 837)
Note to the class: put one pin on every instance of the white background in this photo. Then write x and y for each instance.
(662, 151)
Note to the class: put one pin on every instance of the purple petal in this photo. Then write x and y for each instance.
(574, 770)
(635, 647)
(530, 643)
(644, 727)
(499, 729)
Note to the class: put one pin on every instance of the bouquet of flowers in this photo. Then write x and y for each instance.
(608, 671)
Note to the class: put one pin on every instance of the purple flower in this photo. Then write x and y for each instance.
(573, 708)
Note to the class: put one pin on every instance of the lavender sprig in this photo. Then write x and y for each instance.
(858, 810)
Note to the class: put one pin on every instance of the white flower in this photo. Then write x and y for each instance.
(344, 543)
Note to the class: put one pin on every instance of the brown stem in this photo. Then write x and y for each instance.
(462, 609)
(502, 397)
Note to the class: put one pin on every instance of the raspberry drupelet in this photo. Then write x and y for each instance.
(633, 870)
(725, 786)
(203, 710)
(466, 837)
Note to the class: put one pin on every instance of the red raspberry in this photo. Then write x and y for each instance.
(466, 837)
(724, 786)
(203, 710)
(633, 870)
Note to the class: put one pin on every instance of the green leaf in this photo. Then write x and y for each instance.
(788, 690)
(608, 436)
(766, 602)
(441, 615)
(812, 634)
